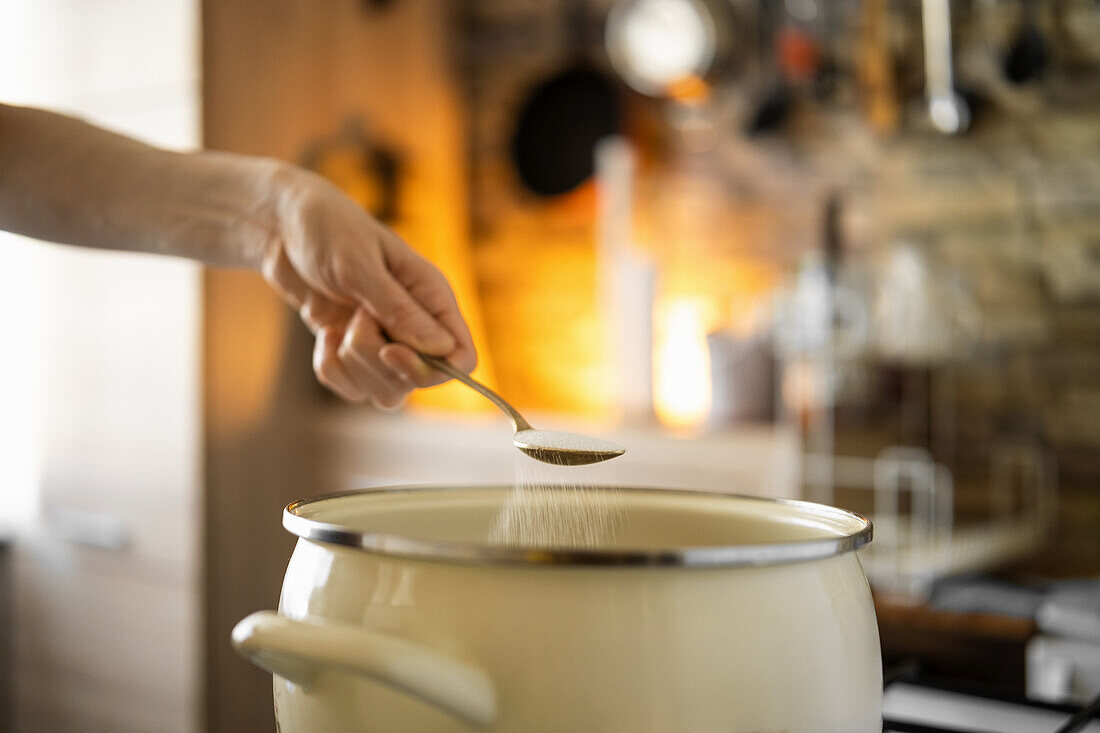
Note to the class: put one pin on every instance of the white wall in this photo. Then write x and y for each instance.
(131, 65)
(100, 434)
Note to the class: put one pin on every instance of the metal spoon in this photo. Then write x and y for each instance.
(547, 446)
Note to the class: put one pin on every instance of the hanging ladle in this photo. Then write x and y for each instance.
(947, 109)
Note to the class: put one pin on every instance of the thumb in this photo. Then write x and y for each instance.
(403, 318)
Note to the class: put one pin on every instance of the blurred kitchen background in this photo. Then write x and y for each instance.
(847, 251)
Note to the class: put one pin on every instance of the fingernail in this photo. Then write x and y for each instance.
(389, 360)
(397, 369)
(435, 339)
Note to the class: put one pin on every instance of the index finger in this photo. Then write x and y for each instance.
(430, 288)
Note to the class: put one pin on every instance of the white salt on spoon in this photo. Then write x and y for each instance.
(566, 449)
(549, 446)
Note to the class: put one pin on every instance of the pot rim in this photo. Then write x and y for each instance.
(724, 556)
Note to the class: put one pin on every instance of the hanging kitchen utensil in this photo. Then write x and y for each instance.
(878, 86)
(947, 109)
(1027, 56)
(563, 117)
(791, 60)
(664, 48)
(772, 109)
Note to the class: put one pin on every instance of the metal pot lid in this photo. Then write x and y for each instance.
(852, 531)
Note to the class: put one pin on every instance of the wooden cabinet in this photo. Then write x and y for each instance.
(106, 642)
(277, 78)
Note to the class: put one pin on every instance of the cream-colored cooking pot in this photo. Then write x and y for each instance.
(709, 612)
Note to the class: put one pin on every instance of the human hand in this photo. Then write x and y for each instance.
(369, 299)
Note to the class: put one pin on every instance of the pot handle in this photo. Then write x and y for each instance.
(296, 649)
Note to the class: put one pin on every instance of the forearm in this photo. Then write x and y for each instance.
(65, 181)
(372, 302)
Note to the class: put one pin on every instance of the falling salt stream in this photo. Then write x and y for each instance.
(559, 506)
(543, 512)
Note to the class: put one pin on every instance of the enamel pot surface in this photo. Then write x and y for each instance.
(708, 612)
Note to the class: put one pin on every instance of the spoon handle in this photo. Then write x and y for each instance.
(447, 368)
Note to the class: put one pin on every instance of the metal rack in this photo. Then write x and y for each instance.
(917, 545)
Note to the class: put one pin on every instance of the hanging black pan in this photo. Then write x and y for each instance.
(563, 117)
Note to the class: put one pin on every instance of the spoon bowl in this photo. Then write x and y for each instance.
(565, 449)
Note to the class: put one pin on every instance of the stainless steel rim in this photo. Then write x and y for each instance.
(481, 553)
